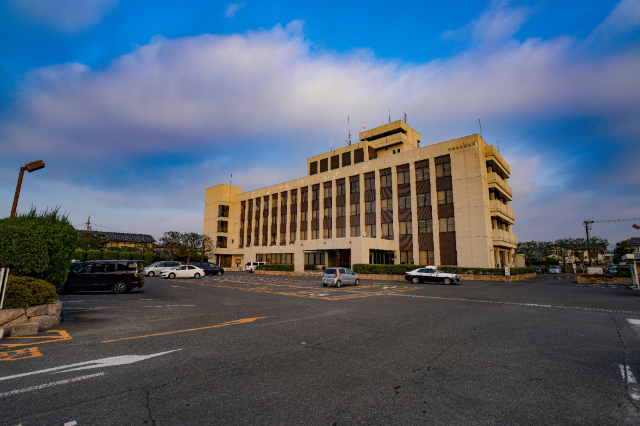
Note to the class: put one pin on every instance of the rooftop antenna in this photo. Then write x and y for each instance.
(480, 123)
(405, 118)
(389, 114)
(498, 143)
(331, 144)
(231, 177)
(349, 123)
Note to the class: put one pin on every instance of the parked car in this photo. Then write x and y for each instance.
(339, 276)
(183, 271)
(538, 269)
(251, 266)
(614, 269)
(119, 276)
(431, 274)
(208, 268)
(554, 270)
(158, 267)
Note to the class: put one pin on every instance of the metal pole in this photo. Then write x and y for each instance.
(586, 227)
(15, 198)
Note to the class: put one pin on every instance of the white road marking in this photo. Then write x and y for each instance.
(96, 363)
(165, 306)
(177, 286)
(71, 423)
(47, 385)
(629, 379)
(94, 308)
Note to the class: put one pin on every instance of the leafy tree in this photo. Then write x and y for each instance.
(562, 249)
(171, 243)
(619, 251)
(206, 246)
(535, 251)
(59, 237)
(89, 241)
(22, 250)
(191, 241)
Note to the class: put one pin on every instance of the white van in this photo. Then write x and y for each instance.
(158, 267)
(250, 266)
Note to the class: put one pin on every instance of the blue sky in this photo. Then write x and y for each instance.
(137, 109)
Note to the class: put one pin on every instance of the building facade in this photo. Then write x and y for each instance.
(384, 200)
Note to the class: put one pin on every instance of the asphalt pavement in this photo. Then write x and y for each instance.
(246, 349)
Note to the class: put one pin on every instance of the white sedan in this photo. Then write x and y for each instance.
(184, 271)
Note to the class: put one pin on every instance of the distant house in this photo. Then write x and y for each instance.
(633, 243)
(122, 239)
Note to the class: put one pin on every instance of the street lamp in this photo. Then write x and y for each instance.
(30, 167)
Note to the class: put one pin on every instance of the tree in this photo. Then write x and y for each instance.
(535, 251)
(206, 246)
(191, 242)
(89, 241)
(619, 251)
(562, 249)
(171, 243)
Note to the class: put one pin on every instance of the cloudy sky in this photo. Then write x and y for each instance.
(137, 109)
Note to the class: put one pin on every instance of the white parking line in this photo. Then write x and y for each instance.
(47, 385)
(629, 379)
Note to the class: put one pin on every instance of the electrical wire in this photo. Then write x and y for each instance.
(616, 220)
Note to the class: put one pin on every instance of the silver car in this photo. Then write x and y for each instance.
(339, 276)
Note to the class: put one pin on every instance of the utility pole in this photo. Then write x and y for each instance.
(89, 224)
(587, 226)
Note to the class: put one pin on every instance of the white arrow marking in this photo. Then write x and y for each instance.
(97, 363)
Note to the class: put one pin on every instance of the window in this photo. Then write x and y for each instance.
(257, 243)
(405, 228)
(385, 181)
(294, 198)
(422, 173)
(266, 204)
(223, 226)
(315, 194)
(314, 234)
(355, 231)
(292, 236)
(355, 209)
(294, 217)
(303, 216)
(326, 233)
(283, 238)
(387, 229)
(443, 169)
(447, 224)
(249, 240)
(445, 197)
(273, 221)
(273, 239)
(403, 177)
(404, 202)
(303, 235)
(425, 226)
(340, 189)
(258, 204)
(370, 230)
(241, 241)
(341, 211)
(250, 208)
(242, 209)
(327, 213)
(426, 257)
(370, 206)
(355, 187)
(314, 258)
(305, 197)
(327, 192)
(341, 232)
(314, 214)
(424, 200)
(264, 239)
(370, 183)
(406, 257)
(283, 219)
(223, 211)
(275, 258)
(386, 205)
(283, 201)
(222, 242)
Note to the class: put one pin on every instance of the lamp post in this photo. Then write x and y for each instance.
(30, 167)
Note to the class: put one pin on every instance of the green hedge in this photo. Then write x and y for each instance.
(623, 272)
(23, 292)
(94, 254)
(364, 268)
(22, 250)
(310, 267)
(148, 258)
(110, 255)
(79, 254)
(137, 255)
(275, 267)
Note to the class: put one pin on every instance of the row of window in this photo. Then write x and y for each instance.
(426, 257)
(278, 258)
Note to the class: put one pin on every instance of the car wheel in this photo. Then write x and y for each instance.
(324, 285)
(172, 275)
(447, 281)
(151, 274)
(196, 275)
(416, 280)
(338, 284)
(119, 288)
(219, 273)
(357, 282)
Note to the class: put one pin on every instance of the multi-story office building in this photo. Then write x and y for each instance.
(384, 199)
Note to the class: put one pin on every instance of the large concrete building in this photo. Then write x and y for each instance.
(384, 199)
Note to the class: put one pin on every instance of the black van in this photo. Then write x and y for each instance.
(119, 276)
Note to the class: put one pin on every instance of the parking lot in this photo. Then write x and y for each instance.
(255, 349)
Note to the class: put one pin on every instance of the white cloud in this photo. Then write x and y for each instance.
(623, 19)
(234, 8)
(70, 16)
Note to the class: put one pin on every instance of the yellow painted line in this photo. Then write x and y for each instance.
(224, 324)
(61, 336)
(19, 354)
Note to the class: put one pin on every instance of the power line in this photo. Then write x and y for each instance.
(616, 220)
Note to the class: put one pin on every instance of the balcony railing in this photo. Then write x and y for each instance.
(495, 179)
(500, 235)
(497, 206)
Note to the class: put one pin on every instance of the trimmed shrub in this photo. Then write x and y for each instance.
(136, 255)
(275, 267)
(22, 250)
(310, 267)
(59, 238)
(365, 268)
(110, 255)
(80, 254)
(623, 272)
(94, 255)
(124, 255)
(609, 276)
(24, 292)
(148, 258)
